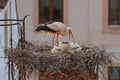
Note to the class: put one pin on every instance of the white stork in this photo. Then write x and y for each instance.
(55, 29)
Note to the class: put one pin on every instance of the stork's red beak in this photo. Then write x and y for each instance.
(71, 34)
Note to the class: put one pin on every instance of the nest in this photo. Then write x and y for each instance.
(39, 58)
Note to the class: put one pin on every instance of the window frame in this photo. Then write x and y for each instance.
(36, 12)
(106, 27)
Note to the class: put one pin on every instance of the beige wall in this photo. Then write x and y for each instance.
(84, 16)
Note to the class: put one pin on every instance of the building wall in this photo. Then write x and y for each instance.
(87, 19)
(84, 16)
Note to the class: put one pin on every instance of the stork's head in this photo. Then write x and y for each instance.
(68, 30)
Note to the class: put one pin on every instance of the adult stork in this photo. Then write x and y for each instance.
(56, 29)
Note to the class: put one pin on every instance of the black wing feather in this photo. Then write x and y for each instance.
(45, 28)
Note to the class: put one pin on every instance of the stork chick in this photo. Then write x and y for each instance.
(57, 49)
(75, 47)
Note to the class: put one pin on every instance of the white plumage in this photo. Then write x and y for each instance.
(57, 49)
(71, 47)
(65, 44)
(60, 28)
(75, 47)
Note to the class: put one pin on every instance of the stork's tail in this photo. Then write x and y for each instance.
(38, 29)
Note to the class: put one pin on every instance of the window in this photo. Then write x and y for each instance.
(114, 73)
(50, 10)
(111, 16)
(114, 12)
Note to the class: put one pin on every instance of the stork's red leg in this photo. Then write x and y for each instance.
(53, 40)
(57, 41)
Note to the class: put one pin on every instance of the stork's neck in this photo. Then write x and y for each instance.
(66, 31)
